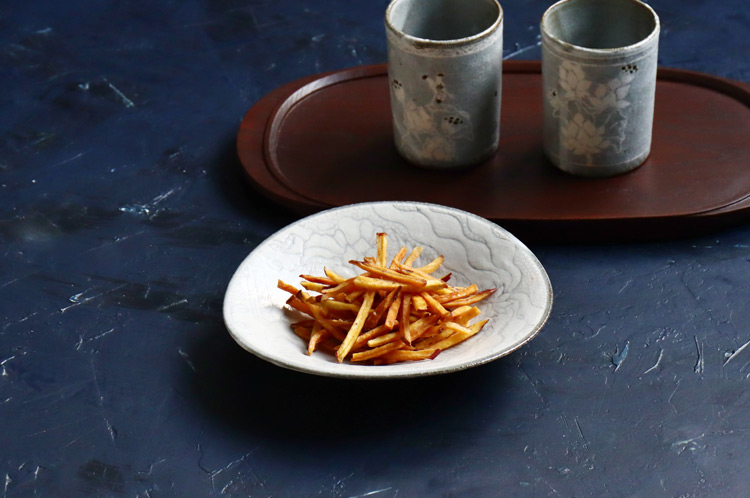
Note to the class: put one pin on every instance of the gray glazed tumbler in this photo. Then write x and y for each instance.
(445, 71)
(599, 61)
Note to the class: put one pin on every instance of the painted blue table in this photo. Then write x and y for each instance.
(124, 212)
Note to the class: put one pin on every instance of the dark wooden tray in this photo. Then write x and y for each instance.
(326, 140)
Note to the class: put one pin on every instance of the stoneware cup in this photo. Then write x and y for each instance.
(599, 60)
(445, 72)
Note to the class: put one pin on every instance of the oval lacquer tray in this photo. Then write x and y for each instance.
(326, 140)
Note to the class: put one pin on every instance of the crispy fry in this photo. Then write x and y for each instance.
(473, 299)
(398, 258)
(383, 339)
(392, 312)
(318, 280)
(404, 318)
(401, 355)
(287, 287)
(317, 335)
(382, 249)
(356, 328)
(381, 309)
(434, 305)
(392, 275)
(390, 319)
(457, 294)
(333, 276)
(433, 265)
(375, 352)
(313, 286)
(458, 337)
(413, 255)
(365, 337)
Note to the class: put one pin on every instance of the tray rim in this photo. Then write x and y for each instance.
(269, 107)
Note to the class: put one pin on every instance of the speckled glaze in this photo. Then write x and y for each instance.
(475, 250)
(599, 62)
(445, 71)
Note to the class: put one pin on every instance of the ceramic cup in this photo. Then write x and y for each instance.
(445, 72)
(599, 61)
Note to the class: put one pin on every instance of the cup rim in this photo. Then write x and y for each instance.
(601, 51)
(429, 43)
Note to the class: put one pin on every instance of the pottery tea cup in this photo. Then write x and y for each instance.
(599, 61)
(445, 74)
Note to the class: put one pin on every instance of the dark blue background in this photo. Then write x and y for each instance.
(124, 212)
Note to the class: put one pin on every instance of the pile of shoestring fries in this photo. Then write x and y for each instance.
(392, 312)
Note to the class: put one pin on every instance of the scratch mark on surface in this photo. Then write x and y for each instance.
(27, 317)
(78, 299)
(13, 281)
(699, 363)
(111, 430)
(125, 100)
(75, 440)
(618, 358)
(187, 360)
(212, 474)
(658, 362)
(580, 433)
(734, 354)
(148, 209)
(550, 487)
(61, 426)
(522, 50)
(4, 372)
(116, 240)
(99, 336)
(172, 305)
(66, 161)
(370, 493)
(95, 378)
(533, 385)
(165, 195)
(625, 286)
(684, 444)
(669, 400)
(81, 339)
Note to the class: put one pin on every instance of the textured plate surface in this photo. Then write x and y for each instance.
(475, 250)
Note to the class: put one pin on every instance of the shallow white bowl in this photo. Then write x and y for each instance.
(475, 250)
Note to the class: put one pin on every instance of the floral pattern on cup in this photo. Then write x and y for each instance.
(435, 127)
(591, 114)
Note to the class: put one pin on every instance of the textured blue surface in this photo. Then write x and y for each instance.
(123, 214)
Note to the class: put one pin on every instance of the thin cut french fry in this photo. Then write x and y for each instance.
(383, 339)
(356, 328)
(382, 249)
(473, 299)
(365, 337)
(457, 294)
(432, 265)
(287, 287)
(398, 258)
(458, 337)
(413, 255)
(375, 352)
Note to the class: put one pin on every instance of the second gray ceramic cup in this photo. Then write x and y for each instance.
(599, 61)
(445, 71)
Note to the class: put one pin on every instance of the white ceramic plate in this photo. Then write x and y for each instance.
(475, 250)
